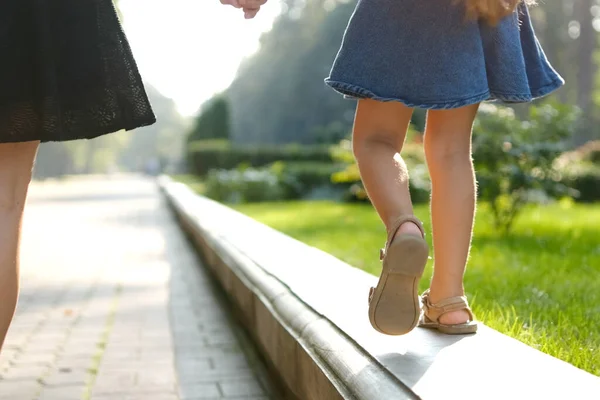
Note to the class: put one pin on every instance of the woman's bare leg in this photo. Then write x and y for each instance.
(16, 164)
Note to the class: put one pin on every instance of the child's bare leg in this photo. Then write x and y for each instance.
(16, 162)
(453, 197)
(378, 135)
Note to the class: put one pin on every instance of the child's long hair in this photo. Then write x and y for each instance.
(492, 11)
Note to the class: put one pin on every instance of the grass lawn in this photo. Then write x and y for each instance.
(540, 285)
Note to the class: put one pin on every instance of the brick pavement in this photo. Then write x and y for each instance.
(114, 304)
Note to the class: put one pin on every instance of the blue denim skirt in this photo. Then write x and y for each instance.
(425, 54)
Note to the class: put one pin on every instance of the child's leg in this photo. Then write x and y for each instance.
(453, 197)
(378, 137)
(16, 162)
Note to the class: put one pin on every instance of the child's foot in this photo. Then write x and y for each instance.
(455, 317)
(394, 306)
(408, 228)
(451, 315)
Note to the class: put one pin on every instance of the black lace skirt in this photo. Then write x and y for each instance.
(66, 72)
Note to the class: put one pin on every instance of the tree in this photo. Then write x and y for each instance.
(284, 78)
(587, 47)
(213, 121)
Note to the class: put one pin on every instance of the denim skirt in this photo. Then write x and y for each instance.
(426, 54)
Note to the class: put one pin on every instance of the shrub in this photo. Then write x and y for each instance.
(514, 158)
(580, 170)
(204, 156)
(589, 153)
(584, 179)
(278, 181)
(306, 177)
(243, 185)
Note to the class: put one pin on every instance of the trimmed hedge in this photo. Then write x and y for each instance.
(580, 170)
(278, 181)
(585, 179)
(207, 155)
(311, 173)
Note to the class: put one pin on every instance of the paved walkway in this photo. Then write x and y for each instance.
(114, 304)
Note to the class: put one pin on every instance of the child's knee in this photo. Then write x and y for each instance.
(447, 154)
(375, 142)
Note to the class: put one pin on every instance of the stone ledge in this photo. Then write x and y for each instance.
(307, 311)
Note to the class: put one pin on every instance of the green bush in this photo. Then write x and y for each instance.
(584, 179)
(588, 153)
(278, 181)
(204, 156)
(311, 174)
(243, 185)
(514, 158)
(580, 170)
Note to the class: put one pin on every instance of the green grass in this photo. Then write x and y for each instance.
(540, 285)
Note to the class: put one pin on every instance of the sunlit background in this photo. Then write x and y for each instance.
(213, 76)
(245, 117)
(191, 49)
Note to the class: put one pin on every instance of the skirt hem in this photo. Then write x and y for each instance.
(355, 92)
(105, 130)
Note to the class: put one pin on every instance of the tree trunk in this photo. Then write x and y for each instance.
(587, 47)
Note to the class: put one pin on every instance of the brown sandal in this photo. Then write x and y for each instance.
(394, 307)
(433, 312)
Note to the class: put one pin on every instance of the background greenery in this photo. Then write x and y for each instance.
(535, 250)
(279, 138)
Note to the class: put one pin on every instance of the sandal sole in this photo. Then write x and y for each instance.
(395, 307)
(460, 329)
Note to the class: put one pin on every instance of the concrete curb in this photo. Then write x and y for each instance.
(307, 311)
(314, 359)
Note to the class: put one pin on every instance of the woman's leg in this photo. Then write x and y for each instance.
(453, 198)
(378, 136)
(16, 164)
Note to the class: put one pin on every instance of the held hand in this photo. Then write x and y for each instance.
(234, 3)
(250, 7)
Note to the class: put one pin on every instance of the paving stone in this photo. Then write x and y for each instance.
(139, 396)
(63, 393)
(35, 358)
(241, 387)
(113, 381)
(190, 376)
(13, 390)
(24, 372)
(199, 391)
(238, 398)
(120, 300)
(64, 377)
(230, 362)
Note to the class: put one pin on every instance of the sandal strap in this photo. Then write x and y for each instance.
(394, 228)
(434, 311)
